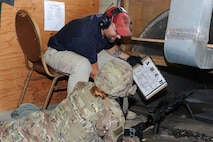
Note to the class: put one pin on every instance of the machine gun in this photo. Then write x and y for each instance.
(155, 115)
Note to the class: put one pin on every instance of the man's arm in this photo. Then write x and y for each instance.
(117, 52)
(114, 51)
(94, 70)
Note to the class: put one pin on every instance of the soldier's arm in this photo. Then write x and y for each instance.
(111, 122)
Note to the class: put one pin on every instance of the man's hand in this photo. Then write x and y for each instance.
(133, 60)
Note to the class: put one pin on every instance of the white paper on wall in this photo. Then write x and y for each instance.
(54, 15)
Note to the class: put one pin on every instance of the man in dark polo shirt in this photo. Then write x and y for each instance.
(83, 45)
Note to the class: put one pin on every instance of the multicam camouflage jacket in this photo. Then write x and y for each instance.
(81, 117)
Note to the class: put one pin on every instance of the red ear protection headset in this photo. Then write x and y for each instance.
(106, 19)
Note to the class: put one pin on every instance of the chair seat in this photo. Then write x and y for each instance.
(38, 67)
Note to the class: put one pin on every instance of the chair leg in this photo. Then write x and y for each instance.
(59, 94)
(25, 87)
(50, 93)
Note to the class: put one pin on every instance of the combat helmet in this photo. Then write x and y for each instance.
(115, 78)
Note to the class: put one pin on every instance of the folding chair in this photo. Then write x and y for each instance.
(29, 37)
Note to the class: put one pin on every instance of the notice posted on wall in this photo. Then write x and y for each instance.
(54, 15)
(148, 78)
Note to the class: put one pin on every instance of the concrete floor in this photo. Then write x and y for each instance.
(4, 115)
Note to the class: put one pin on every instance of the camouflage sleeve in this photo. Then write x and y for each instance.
(110, 124)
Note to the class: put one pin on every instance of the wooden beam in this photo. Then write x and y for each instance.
(158, 41)
(147, 40)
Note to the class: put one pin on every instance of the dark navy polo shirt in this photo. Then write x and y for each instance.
(82, 36)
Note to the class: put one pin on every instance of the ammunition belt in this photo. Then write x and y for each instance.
(190, 134)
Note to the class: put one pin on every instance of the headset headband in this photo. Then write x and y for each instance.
(116, 11)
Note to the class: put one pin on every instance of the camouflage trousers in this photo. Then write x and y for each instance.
(32, 128)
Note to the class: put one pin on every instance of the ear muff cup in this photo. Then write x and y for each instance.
(105, 21)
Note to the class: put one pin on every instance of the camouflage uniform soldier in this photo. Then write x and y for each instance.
(89, 114)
